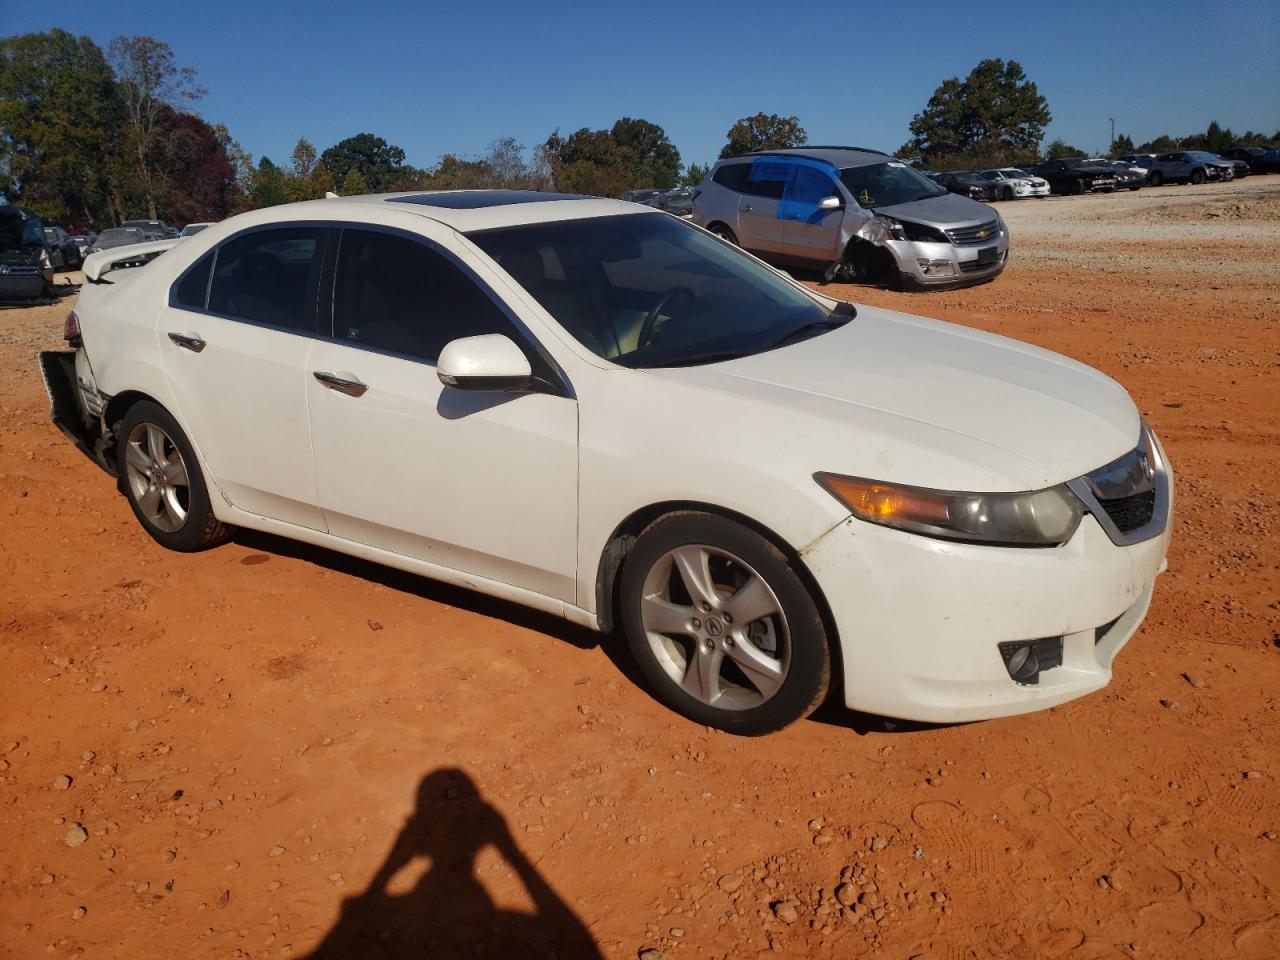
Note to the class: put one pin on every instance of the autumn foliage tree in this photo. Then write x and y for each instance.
(763, 131)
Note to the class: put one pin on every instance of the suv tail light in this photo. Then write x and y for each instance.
(71, 329)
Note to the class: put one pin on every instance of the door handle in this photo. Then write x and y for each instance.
(352, 388)
(194, 344)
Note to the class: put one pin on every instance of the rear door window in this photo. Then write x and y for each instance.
(733, 176)
(269, 277)
(192, 290)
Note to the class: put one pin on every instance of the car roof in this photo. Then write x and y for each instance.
(840, 157)
(462, 210)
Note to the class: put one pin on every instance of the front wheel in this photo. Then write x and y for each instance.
(722, 626)
(1155, 179)
(1197, 177)
(1006, 194)
(1078, 187)
(160, 477)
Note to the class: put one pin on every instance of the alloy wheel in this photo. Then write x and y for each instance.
(157, 477)
(715, 627)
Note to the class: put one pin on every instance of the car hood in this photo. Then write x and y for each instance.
(948, 210)
(903, 399)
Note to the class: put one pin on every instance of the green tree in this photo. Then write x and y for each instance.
(150, 83)
(994, 109)
(354, 183)
(1218, 139)
(1161, 144)
(270, 185)
(1122, 145)
(694, 174)
(763, 131)
(1059, 149)
(653, 158)
(60, 118)
(379, 163)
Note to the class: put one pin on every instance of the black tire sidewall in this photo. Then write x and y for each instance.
(809, 675)
(197, 532)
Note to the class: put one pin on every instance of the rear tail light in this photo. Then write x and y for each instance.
(71, 329)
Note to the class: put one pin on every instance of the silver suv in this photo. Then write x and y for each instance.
(859, 213)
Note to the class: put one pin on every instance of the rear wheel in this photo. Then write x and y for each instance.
(721, 625)
(160, 477)
(723, 232)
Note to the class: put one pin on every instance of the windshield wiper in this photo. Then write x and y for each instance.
(809, 330)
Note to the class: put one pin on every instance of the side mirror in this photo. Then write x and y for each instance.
(487, 362)
(830, 203)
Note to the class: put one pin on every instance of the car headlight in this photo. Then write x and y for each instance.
(45, 260)
(1039, 518)
(915, 232)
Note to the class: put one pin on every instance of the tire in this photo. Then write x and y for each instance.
(153, 457)
(1077, 187)
(1155, 179)
(750, 677)
(1197, 177)
(723, 232)
(1006, 194)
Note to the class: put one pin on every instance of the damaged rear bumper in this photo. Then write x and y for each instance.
(75, 406)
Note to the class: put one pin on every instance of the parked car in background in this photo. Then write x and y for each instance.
(1241, 168)
(1187, 166)
(1259, 159)
(1075, 175)
(643, 195)
(191, 229)
(26, 270)
(84, 241)
(967, 184)
(861, 211)
(1128, 176)
(118, 237)
(151, 229)
(1012, 183)
(503, 390)
(64, 252)
(678, 202)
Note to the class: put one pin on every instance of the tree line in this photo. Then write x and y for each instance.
(89, 138)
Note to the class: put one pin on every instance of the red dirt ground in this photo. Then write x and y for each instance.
(247, 730)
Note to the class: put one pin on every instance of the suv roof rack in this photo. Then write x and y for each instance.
(808, 146)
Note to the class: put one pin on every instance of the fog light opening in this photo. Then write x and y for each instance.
(1021, 662)
(936, 268)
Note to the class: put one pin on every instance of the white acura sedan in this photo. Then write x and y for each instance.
(601, 411)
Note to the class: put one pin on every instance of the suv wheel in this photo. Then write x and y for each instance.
(160, 477)
(1155, 178)
(722, 627)
(723, 232)
(1197, 177)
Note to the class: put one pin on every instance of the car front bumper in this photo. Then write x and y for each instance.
(922, 264)
(920, 619)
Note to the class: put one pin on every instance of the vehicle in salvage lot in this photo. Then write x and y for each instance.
(967, 184)
(601, 411)
(1183, 166)
(858, 209)
(1076, 175)
(1012, 183)
(26, 270)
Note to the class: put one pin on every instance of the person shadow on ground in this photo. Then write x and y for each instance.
(448, 913)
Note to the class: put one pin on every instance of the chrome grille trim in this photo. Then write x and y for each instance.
(1122, 480)
(969, 236)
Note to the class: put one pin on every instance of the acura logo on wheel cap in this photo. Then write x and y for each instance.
(714, 627)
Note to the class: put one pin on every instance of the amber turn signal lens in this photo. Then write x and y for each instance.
(876, 501)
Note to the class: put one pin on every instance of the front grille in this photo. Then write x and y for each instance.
(1130, 513)
(968, 236)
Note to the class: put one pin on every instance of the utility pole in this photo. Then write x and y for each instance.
(1113, 133)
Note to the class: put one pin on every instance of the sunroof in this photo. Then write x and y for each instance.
(478, 199)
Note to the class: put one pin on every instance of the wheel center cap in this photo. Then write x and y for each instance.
(714, 627)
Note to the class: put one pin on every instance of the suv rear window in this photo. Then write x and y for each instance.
(733, 176)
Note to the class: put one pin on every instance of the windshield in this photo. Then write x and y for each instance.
(192, 229)
(18, 230)
(887, 184)
(1202, 155)
(647, 290)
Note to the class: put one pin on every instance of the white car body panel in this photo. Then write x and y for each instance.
(520, 495)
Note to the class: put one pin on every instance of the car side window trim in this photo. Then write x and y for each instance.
(326, 228)
(544, 365)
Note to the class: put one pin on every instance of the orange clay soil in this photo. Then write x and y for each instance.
(277, 751)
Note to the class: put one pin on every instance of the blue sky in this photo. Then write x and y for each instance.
(453, 77)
